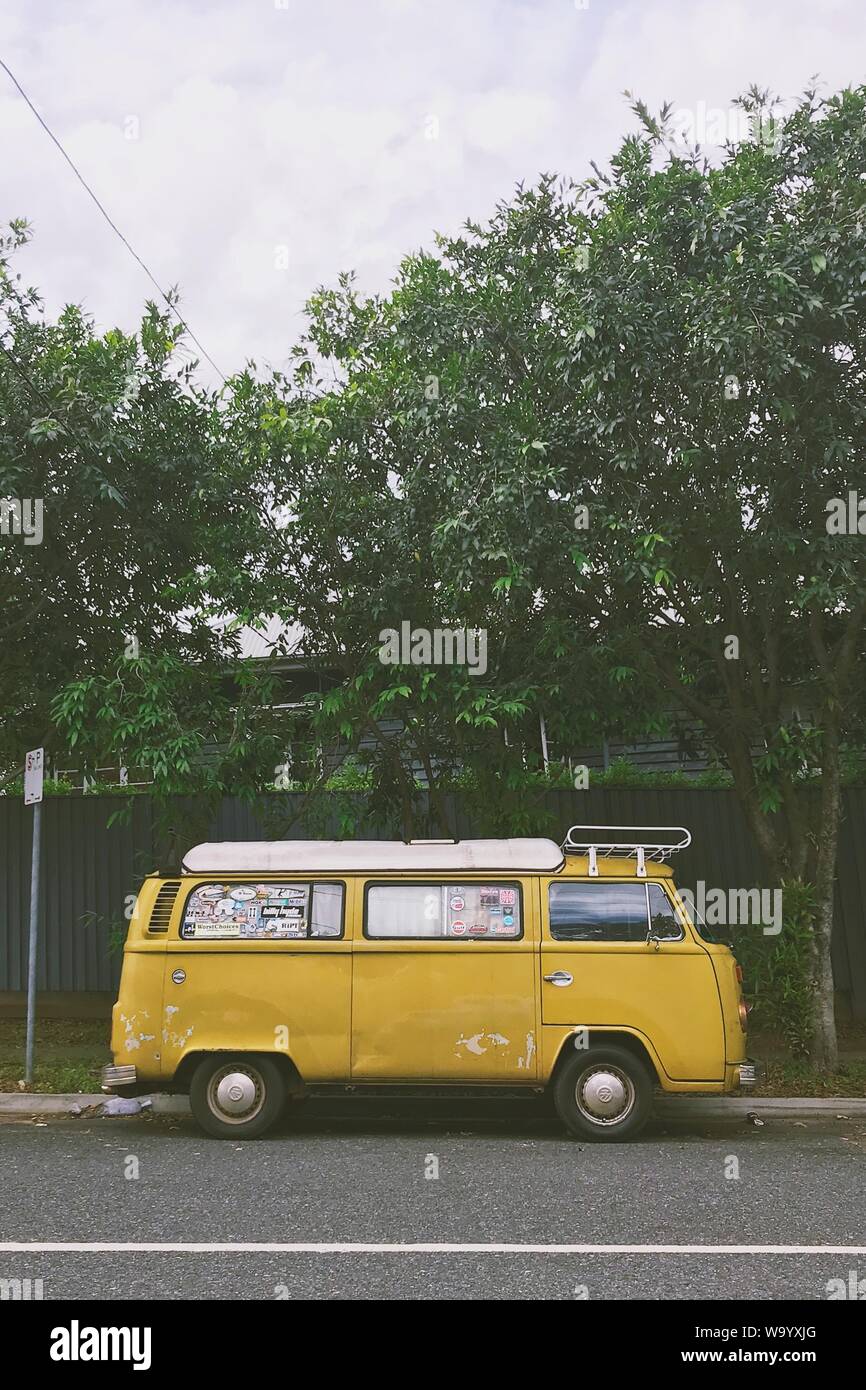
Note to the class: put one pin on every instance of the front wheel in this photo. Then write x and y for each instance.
(604, 1093)
(237, 1097)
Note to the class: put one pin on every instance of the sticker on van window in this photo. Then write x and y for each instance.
(222, 931)
(481, 912)
(226, 911)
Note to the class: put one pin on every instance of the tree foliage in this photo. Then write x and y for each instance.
(678, 348)
(607, 429)
(108, 645)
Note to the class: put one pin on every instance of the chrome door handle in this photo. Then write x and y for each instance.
(560, 977)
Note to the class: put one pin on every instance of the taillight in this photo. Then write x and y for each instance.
(743, 1010)
(738, 971)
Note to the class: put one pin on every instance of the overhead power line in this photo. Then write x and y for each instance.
(131, 249)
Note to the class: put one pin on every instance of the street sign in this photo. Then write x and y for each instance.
(34, 771)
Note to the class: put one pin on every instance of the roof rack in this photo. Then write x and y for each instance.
(645, 842)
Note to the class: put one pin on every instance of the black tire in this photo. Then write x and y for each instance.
(602, 1113)
(246, 1115)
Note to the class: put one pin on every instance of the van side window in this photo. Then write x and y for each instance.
(598, 911)
(664, 922)
(452, 911)
(263, 911)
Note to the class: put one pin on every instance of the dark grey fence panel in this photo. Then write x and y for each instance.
(89, 869)
(15, 841)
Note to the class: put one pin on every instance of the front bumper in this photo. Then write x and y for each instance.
(118, 1078)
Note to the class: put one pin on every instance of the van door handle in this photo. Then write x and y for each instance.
(560, 977)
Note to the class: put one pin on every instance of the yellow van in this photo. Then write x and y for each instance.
(267, 971)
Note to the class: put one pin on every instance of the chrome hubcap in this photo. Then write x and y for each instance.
(604, 1095)
(236, 1095)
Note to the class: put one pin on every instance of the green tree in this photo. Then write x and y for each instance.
(360, 472)
(679, 349)
(143, 494)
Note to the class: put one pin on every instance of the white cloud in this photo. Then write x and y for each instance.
(308, 127)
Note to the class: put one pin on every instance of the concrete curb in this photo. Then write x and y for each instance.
(667, 1107)
(765, 1107)
(74, 1104)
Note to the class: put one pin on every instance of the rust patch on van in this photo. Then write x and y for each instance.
(134, 1036)
(473, 1043)
(170, 1035)
(525, 1061)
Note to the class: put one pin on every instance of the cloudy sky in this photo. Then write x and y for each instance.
(252, 149)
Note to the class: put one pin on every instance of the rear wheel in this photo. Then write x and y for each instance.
(604, 1093)
(237, 1097)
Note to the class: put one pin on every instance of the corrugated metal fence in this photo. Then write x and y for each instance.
(89, 870)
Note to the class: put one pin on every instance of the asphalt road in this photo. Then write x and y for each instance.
(505, 1177)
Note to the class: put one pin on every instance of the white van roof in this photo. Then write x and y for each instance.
(364, 856)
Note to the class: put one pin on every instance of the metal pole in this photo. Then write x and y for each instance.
(34, 932)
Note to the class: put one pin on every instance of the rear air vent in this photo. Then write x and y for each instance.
(161, 914)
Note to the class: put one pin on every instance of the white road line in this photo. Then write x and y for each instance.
(97, 1247)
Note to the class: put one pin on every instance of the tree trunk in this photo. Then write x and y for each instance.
(438, 816)
(824, 1045)
(825, 1052)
